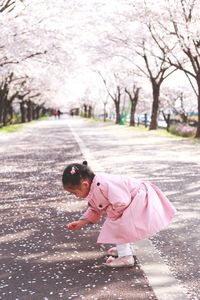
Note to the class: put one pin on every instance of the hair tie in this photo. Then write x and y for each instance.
(73, 171)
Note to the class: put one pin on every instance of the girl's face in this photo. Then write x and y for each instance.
(80, 191)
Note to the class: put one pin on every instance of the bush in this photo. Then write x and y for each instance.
(182, 130)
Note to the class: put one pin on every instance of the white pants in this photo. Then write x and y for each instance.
(124, 250)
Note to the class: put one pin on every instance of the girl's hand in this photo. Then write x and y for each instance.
(72, 226)
(76, 225)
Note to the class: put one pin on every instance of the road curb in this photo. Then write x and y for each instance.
(163, 283)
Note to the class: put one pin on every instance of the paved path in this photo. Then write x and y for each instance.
(39, 258)
(173, 164)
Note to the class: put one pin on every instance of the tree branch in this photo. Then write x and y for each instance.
(18, 61)
(104, 81)
(6, 5)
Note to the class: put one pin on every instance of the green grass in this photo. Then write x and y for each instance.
(137, 128)
(11, 128)
(140, 128)
(96, 120)
(17, 127)
(164, 132)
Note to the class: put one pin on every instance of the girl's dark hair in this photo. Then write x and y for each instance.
(74, 173)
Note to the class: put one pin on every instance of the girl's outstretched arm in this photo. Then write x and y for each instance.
(76, 225)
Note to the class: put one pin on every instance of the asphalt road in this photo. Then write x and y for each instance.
(171, 163)
(39, 258)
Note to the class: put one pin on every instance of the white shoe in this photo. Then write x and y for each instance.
(120, 262)
(112, 252)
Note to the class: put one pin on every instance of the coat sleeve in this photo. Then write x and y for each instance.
(92, 215)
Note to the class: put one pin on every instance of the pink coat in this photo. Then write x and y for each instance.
(134, 210)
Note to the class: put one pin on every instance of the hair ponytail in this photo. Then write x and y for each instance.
(74, 173)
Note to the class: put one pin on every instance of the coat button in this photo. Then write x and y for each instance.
(100, 205)
(98, 183)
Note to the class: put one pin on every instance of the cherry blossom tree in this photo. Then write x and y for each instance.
(28, 48)
(133, 97)
(126, 38)
(53, 48)
(115, 93)
(179, 33)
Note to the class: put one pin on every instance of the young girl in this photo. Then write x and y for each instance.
(133, 209)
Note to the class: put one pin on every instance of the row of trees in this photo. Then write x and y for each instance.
(17, 104)
(152, 44)
(132, 56)
(26, 90)
(18, 101)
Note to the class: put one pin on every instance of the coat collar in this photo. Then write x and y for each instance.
(97, 182)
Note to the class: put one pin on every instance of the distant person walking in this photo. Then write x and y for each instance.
(133, 209)
(54, 113)
(58, 113)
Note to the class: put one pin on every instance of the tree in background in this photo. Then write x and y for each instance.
(133, 98)
(179, 34)
(115, 94)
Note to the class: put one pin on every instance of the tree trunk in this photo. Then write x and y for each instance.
(33, 111)
(167, 120)
(38, 112)
(155, 106)
(134, 101)
(3, 99)
(23, 112)
(44, 111)
(198, 99)
(5, 112)
(132, 114)
(117, 104)
(104, 112)
(10, 113)
(29, 111)
(89, 111)
(85, 110)
(1, 109)
(117, 110)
